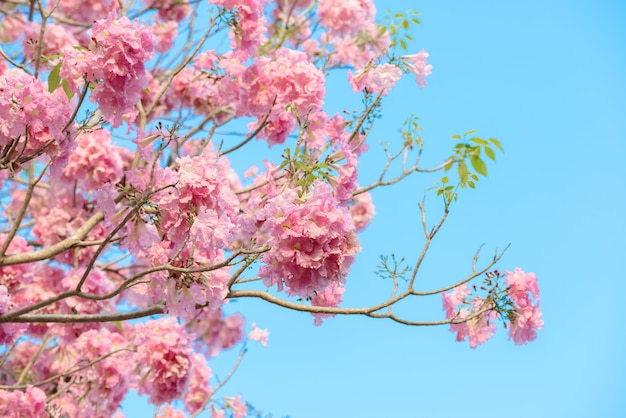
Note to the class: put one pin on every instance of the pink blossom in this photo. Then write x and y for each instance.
(165, 33)
(173, 10)
(56, 40)
(116, 64)
(238, 408)
(288, 78)
(417, 64)
(30, 403)
(199, 389)
(347, 17)
(168, 411)
(375, 79)
(101, 387)
(8, 332)
(248, 32)
(16, 276)
(526, 319)
(259, 334)
(11, 28)
(87, 11)
(314, 242)
(216, 331)
(357, 51)
(362, 210)
(165, 354)
(478, 329)
(329, 297)
(95, 161)
(28, 110)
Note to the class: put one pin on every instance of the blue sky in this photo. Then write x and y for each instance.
(547, 78)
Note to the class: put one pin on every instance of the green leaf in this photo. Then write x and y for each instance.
(54, 79)
(479, 141)
(408, 37)
(403, 44)
(444, 180)
(489, 152)
(456, 137)
(478, 165)
(66, 88)
(496, 143)
(462, 171)
(405, 24)
(118, 324)
(473, 131)
(416, 21)
(398, 15)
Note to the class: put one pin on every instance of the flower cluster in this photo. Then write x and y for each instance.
(95, 161)
(116, 64)
(345, 18)
(23, 404)
(418, 65)
(526, 319)
(313, 244)
(248, 32)
(475, 317)
(375, 79)
(287, 78)
(30, 114)
(480, 327)
(165, 355)
(100, 388)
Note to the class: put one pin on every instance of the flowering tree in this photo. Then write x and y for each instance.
(117, 123)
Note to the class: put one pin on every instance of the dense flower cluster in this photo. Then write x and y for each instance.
(479, 328)
(270, 84)
(527, 318)
(30, 115)
(346, 17)
(95, 161)
(314, 242)
(30, 403)
(116, 65)
(166, 359)
(524, 316)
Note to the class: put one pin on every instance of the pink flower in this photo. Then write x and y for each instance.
(116, 65)
(417, 64)
(57, 39)
(526, 319)
(199, 389)
(164, 350)
(8, 332)
(478, 329)
(28, 110)
(95, 161)
(259, 334)
(346, 17)
(375, 79)
(23, 404)
(314, 242)
(174, 10)
(109, 378)
(288, 78)
(362, 210)
(329, 297)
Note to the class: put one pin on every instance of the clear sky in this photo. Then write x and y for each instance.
(548, 79)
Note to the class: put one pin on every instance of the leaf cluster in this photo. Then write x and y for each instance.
(398, 25)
